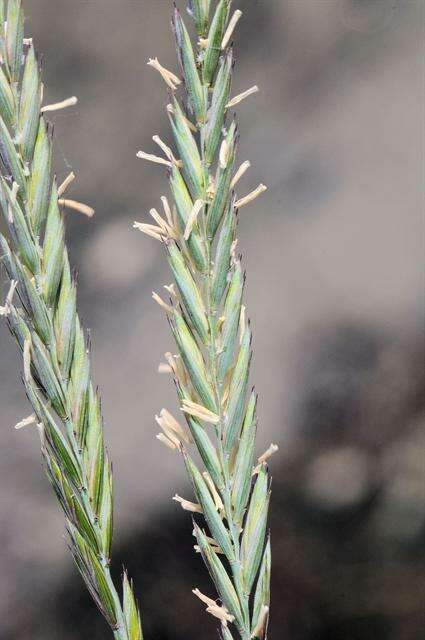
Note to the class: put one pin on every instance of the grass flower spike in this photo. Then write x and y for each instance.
(209, 323)
(42, 316)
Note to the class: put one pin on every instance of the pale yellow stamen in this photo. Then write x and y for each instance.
(217, 550)
(264, 457)
(259, 630)
(57, 106)
(77, 206)
(239, 173)
(27, 359)
(242, 323)
(152, 158)
(225, 396)
(193, 216)
(163, 438)
(164, 368)
(26, 422)
(190, 124)
(211, 188)
(231, 27)
(150, 230)
(171, 289)
(216, 496)
(251, 196)
(169, 78)
(197, 410)
(241, 96)
(161, 302)
(168, 420)
(14, 192)
(161, 223)
(161, 144)
(167, 210)
(210, 540)
(65, 184)
(10, 213)
(41, 433)
(187, 505)
(205, 599)
(177, 367)
(268, 454)
(181, 370)
(169, 434)
(170, 359)
(212, 606)
(203, 43)
(5, 311)
(224, 154)
(233, 251)
(221, 613)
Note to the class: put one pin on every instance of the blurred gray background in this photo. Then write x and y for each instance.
(333, 253)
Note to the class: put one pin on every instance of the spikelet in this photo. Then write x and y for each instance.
(209, 323)
(42, 316)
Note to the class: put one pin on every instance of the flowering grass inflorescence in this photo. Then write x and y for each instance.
(209, 323)
(41, 312)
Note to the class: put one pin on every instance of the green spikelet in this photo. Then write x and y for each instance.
(208, 320)
(42, 316)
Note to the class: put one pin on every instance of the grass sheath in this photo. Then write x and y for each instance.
(42, 315)
(209, 323)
